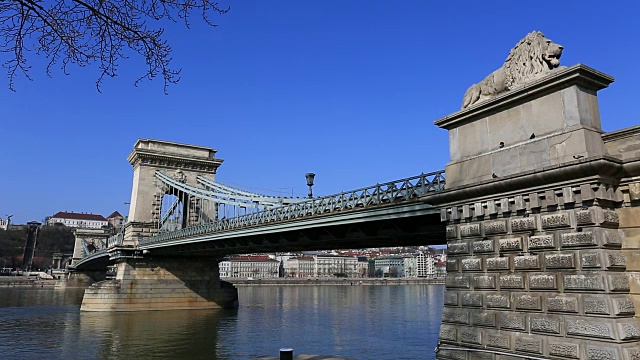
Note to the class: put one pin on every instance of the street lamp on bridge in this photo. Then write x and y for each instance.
(310, 177)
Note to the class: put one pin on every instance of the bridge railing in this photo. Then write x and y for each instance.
(115, 240)
(379, 194)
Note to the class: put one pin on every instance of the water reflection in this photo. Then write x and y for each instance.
(189, 334)
(356, 322)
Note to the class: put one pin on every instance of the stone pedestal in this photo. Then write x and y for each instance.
(538, 218)
(548, 122)
(162, 284)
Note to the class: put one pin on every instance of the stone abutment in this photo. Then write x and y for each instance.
(543, 226)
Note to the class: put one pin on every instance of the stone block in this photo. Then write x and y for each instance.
(452, 264)
(484, 281)
(466, 211)
(598, 305)
(550, 200)
(527, 301)
(455, 316)
(451, 231)
(623, 306)
(560, 261)
(472, 299)
(585, 217)
(568, 197)
(590, 259)
(542, 282)
(457, 281)
(444, 217)
(472, 264)
(562, 303)
(448, 332)
(619, 282)
(495, 227)
(557, 220)
(611, 237)
(511, 281)
(629, 217)
(505, 207)
(628, 329)
(596, 352)
(451, 298)
(483, 318)
(497, 263)
(468, 230)
(510, 244)
(523, 224)
(609, 218)
(498, 300)
(512, 321)
(528, 344)
(541, 242)
(545, 323)
(575, 239)
(497, 339)
(470, 336)
(492, 209)
(526, 262)
(478, 209)
(587, 281)
(593, 328)
(458, 248)
(563, 348)
(481, 356)
(534, 201)
(483, 246)
(632, 353)
(452, 354)
(615, 260)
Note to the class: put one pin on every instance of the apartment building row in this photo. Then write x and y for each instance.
(324, 265)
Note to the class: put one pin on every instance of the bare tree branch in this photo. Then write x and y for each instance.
(86, 32)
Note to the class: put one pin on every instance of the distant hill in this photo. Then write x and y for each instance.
(50, 240)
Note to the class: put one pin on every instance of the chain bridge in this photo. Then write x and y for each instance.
(540, 213)
(217, 220)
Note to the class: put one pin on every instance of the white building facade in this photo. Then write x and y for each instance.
(425, 266)
(257, 268)
(389, 266)
(78, 220)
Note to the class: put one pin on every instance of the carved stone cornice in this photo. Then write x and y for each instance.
(605, 169)
(621, 134)
(157, 159)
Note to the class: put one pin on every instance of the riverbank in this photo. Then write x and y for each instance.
(334, 281)
(27, 281)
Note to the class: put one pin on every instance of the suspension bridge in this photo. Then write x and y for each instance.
(217, 220)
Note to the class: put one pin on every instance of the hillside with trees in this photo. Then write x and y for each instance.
(51, 239)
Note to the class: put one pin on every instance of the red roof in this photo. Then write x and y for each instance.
(78, 216)
(115, 214)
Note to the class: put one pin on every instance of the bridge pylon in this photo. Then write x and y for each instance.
(146, 280)
(182, 162)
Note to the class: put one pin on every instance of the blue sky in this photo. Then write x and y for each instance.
(346, 89)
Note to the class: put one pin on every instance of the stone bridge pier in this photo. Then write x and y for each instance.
(152, 282)
(543, 226)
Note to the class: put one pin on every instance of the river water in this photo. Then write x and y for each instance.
(354, 322)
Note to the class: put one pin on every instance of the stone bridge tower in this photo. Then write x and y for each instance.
(180, 161)
(543, 224)
(156, 282)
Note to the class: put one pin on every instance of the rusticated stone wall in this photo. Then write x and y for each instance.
(543, 226)
(540, 273)
(162, 284)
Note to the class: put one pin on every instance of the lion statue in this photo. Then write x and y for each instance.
(533, 57)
